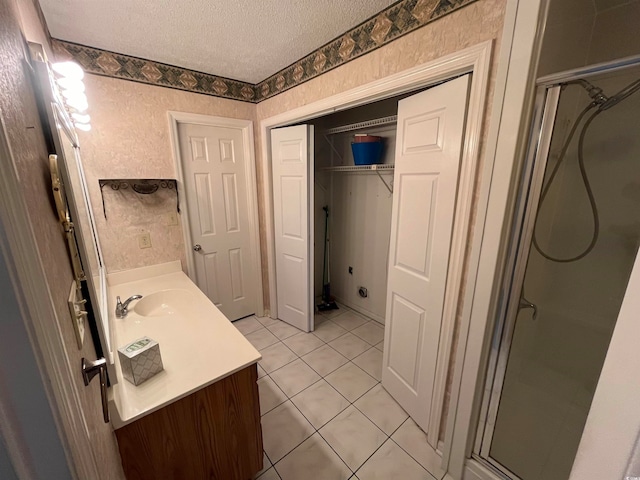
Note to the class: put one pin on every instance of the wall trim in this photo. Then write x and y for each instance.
(399, 19)
(476, 60)
(507, 141)
(125, 67)
(386, 26)
(246, 126)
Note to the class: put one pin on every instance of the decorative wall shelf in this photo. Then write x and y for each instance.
(141, 186)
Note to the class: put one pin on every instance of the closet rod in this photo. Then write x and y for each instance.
(358, 126)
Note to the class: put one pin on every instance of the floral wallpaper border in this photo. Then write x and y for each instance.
(116, 65)
(390, 24)
(395, 21)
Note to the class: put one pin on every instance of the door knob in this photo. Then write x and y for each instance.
(91, 369)
(197, 247)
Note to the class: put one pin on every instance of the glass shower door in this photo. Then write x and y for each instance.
(562, 321)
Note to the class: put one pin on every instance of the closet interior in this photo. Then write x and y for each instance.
(359, 200)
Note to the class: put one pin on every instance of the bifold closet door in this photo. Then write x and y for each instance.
(292, 167)
(428, 151)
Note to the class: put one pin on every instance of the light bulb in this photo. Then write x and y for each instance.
(85, 127)
(70, 94)
(70, 84)
(78, 101)
(81, 118)
(69, 70)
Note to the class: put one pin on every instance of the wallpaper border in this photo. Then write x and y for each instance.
(391, 23)
(125, 67)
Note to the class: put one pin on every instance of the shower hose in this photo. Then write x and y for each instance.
(600, 104)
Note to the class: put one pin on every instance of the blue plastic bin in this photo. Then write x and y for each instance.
(367, 153)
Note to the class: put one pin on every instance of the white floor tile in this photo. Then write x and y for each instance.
(380, 346)
(350, 320)
(414, 441)
(333, 313)
(371, 362)
(315, 459)
(270, 395)
(261, 338)
(328, 331)
(351, 381)
(247, 325)
(353, 437)
(268, 321)
(276, 356)
(270, 474)
(261, 372)
(379, 407)
(349, 345)
(320, 403)
(283, 429)
(325, 360)
(303, 343)
(295, 377)
(390, 462)
(266, 465)
(318, 318)
(283, 330)
(371, 332)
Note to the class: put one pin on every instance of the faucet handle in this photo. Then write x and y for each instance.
(118, 302)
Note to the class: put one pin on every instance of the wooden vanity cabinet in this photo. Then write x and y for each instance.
(214, 433)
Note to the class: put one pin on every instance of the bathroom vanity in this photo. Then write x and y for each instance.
(200, 416)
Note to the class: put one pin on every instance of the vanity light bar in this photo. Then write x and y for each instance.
(68, 79)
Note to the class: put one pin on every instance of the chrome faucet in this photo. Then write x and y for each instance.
(121, 308)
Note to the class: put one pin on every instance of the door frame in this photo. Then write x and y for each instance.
(246, 126)
(20, 247)
(477, 61)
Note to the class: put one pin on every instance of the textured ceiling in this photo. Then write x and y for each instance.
(246, 40)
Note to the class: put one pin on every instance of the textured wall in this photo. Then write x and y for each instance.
(19, 20)
(130, 139)
(473, 24)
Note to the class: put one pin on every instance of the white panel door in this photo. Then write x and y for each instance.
(428, 152)
(292, 163)
(216, 189)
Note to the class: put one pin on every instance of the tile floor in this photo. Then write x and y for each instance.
(324, 412)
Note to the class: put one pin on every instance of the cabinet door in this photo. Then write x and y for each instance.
(428, 152)
(292, 163)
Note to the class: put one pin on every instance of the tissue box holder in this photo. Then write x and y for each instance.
(140, 360)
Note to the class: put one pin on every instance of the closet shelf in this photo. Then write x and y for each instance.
(376, 122)
(360, 168)
(366, 168)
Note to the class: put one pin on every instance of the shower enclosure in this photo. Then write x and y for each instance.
(575, 239)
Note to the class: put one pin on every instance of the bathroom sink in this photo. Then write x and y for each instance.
(164, 302)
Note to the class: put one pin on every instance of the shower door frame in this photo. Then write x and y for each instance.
(530, 182)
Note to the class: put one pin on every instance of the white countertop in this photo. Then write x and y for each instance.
(198, 344)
